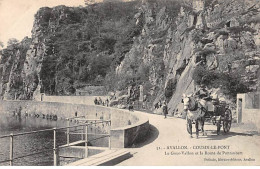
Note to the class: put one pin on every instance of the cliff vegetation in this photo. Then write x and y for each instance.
(167, 46)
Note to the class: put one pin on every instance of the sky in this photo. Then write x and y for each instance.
(17, 16)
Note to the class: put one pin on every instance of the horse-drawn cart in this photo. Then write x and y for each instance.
(220, 116)
(211, 110)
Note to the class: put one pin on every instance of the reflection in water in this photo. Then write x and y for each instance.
(42, 141)
(31, 143)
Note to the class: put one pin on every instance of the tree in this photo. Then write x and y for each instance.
(12, 41)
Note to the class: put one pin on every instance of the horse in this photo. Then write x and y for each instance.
(195, 112)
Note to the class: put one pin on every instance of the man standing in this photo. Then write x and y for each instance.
(165, 109)
(204, 98)
(202, 92)
(107, 102)
(96, 101)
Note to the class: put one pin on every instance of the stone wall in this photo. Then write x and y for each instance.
(248, 110)
(91, 91)
(88, 100)
(128, 135)
(252, 116)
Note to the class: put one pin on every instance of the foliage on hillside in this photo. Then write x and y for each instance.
(84, 45)
(150, 43)
(230, 83)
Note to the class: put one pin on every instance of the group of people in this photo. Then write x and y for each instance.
(201, 93)
(99, 101)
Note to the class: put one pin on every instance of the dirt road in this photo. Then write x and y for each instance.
(168, 143)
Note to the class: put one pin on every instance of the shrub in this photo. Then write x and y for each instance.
(239, 29)
(198, 73)
(170, 88)
(45, 13)
(197, 36)
(205, 41)
(206, 52)
(172, 6)
(230, 83)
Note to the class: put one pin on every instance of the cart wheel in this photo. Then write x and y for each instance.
(189, 123)
(218, 126)
(227, 121)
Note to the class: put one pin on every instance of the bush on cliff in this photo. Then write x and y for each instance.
(230, 83)
(170, 88)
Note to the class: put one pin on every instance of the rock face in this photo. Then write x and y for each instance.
(169, 47)
(216, 35)
(11, 70)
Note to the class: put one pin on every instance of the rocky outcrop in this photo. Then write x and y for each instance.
(168, 48)
(11, 70)
(216, 35)
(70, 48)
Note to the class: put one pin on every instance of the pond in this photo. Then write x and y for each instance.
(40, 141)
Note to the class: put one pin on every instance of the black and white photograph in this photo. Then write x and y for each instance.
(129, 83)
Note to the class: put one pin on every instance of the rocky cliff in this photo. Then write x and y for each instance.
(167, 46)
(70, 48)
(11, 70)
(182, 45)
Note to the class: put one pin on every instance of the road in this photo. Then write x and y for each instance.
(168, 143)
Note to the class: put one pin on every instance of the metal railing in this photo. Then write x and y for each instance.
(55, 147)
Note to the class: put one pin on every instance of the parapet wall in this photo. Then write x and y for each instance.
(127, 135)
(88, 100)
(126, 127)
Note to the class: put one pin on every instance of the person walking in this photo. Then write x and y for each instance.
(96, 101)
(165, 109)
(107, 102)
(100, 102)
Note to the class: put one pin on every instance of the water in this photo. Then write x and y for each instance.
(32, 143)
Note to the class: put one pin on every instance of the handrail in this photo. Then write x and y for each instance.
(98, 138)
(61, 128)
(76, 117)
(4, 136)
(91, 134)
(68, 145)
(87, 124)
(32, 132)
(55, 148)
(90, 119)
(46, 150)
(4, 161)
